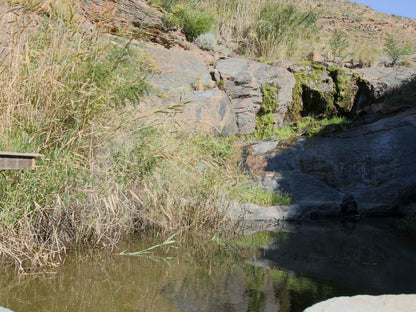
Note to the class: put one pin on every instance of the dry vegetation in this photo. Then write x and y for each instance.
(363, 29)
(110, 167)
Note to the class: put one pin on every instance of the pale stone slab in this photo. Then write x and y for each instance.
(364, 303)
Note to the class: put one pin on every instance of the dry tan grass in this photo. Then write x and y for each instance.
(365, 29)
(110, 169)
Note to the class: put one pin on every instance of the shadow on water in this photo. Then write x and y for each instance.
(373, 257)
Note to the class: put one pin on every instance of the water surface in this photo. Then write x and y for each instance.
(288, 270)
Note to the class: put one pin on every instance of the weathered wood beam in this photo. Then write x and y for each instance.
(18, 161)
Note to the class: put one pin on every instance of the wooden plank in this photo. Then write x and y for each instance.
(13, 154)
(17, 161)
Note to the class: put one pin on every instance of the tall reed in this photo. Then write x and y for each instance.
(111, 167)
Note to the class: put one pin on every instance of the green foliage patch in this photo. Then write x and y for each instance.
(394, 50)
(280, 23)
(191, 15)
(264, 118)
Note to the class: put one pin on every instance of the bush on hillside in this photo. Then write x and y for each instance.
(339, 43)
(282, 24)
(394, 50)
(193, 20)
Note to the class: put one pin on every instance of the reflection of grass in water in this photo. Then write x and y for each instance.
(257, 240)
(203, 274)
(249, 246)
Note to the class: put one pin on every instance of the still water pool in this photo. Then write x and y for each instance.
(286, 269)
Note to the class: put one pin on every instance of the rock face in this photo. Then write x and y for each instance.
(384, 303)
(378, 84)
(224, 101)
(369, 169)
(136, 15)
(324, 90)
(243, 82)
(183, 79)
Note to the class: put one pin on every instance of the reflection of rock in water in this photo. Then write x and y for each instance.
(235, 291)
(271, 303)
(364, 257)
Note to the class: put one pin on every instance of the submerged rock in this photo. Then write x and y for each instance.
(363, 303)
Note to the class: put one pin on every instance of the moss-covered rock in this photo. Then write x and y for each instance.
(265, 119)
(314, 92)
(346, 88)
(322, 91)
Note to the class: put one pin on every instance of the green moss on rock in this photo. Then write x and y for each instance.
(265, 119)
(296, 106)
(345, 88)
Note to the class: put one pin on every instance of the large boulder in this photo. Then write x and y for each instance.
(183, 79)
(243, 81)
(364, 303)
(370, 168)
(209, 111)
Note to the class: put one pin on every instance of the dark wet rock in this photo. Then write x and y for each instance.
(374, 163)
(243, 82)
(349, 205)
(365, 303)
(314, 196)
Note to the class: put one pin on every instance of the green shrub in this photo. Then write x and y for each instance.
(394, 50)
(338, 43)
(193, 20)
(280, 24)
(264, 118)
